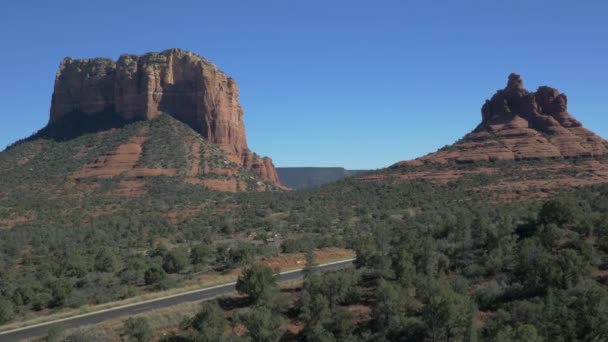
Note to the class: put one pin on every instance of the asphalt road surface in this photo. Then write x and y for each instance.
(40, 330)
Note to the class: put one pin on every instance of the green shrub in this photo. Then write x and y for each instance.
(154, 275)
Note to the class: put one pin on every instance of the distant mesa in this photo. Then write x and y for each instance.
(102, 93)
(312, 177)
(517, 125)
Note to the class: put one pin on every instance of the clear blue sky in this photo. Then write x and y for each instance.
(360, 84)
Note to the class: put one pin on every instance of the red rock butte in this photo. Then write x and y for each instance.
(518, 124)
(179, 83)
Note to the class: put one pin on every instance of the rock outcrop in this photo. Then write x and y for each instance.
(517, 125)
(527, 146)
(179, 83)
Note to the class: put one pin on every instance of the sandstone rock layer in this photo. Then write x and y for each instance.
(179, 83)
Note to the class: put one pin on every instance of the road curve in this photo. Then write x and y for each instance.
(39, 330)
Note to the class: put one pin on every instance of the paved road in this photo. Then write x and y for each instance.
(40, 330)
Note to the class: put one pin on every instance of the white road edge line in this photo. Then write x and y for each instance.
(154, 300)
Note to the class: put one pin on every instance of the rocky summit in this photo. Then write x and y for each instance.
(518, 124)
(527, 145)
(181, 84)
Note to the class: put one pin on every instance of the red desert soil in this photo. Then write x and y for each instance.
(117, 162)
(434, 176)
(105, 210)
(195, 162)
(578, 175)
(122, 162)
(26, 159)
(130, 188)
(177, 215)
(361, 313)
(227, 185)
(294, 327)
(230, 184)
(10, 223)
(601, 275)
(296, 260)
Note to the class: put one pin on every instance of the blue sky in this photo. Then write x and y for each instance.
(360, 84)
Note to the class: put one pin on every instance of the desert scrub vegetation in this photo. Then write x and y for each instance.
(489, 250)
(160, 150)
(427, 253)
(481, 275)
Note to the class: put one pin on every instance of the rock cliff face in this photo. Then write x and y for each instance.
(518, 124)
(179, 83)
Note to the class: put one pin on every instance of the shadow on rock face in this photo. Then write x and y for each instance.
(75, 124)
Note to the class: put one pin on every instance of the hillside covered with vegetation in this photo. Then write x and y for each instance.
(425, 271)
(435, 261)
(456, 254)
(474, 274)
